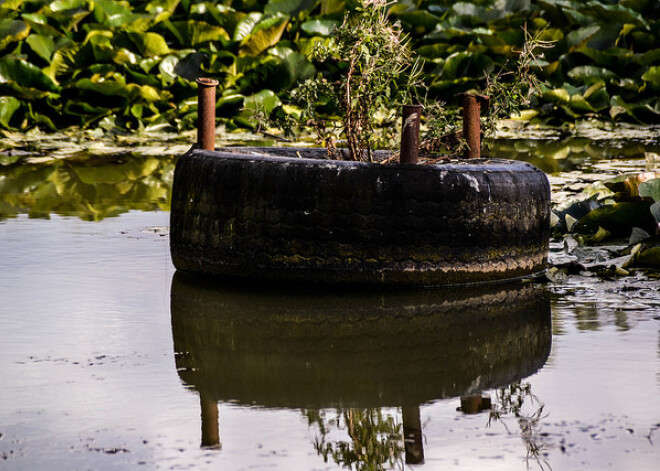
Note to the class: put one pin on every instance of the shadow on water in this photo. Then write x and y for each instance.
(356, 352)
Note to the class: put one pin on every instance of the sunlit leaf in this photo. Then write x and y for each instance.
(196, 32)
(320, 27)
(652, 76)
(264, 101)
(43, 46)
(246, 25)
(8, 106)
(557, 95)
(297, 66)
(12, 31)
(264, 35)
(580, 36)
(149, 44)
(590, 74)
(24, 74)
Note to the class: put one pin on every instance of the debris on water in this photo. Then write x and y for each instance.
(158, 230)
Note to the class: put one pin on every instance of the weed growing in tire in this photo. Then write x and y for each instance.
(378, 77)
(379, 74)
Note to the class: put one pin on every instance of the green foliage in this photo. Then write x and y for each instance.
(605, 61)
(627, 206)
(377, 76)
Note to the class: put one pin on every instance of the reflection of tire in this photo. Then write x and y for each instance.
(260, 216)
(280, 349)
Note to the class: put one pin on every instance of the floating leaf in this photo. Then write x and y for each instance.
(638, 235)
(648, 258)
(655, 212)
(617, 218)
(650, 188)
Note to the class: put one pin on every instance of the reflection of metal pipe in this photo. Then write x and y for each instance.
(412, 435)
(410, 133)
(475, 404)
(210, 427)
(206, 113)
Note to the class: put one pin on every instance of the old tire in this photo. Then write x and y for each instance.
(245, 215)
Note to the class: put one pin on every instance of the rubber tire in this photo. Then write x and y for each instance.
(246, 215)
(299, 348)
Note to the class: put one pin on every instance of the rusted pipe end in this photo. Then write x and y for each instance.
(207, 82)
(411, 118)
(206, 112)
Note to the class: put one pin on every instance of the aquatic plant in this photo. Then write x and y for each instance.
(117, 65)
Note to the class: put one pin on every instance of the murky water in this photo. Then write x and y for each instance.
(110, 360)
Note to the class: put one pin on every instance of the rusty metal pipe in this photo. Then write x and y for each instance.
(411, 118)
(206, 113)
(472, 105)
(472, 126)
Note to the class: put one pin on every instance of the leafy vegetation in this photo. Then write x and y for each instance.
(612, 228)
(379, 76)
(119, 65)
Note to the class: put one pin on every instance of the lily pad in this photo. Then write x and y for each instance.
(648, 258)
(618, 218)
(651, 189)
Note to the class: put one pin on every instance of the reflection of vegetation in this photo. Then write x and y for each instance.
(510, 401)
(569, 154)
(91, 190)
(374, 438)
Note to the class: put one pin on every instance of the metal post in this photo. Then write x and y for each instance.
(472, 126)
(412, 115)
(206, 113)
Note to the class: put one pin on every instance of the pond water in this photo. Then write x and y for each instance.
(111, 360)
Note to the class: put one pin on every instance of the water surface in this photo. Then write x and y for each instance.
(111, 360)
